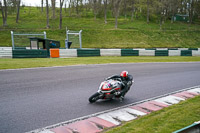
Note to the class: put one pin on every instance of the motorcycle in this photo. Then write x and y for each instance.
(108, 89)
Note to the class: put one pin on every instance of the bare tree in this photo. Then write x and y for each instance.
(95, 9)
(161, 13)
(47, 11)
(18, 8)
(125, 8)
(148, 3)
(4, 12)
(61, 4)
(77, 5)
(66, 6)
(69, 7)
(105, 10)
(53, 3)
(116, 11)
(191, 10)
(174, 7)
(42, 4)
(132, 10)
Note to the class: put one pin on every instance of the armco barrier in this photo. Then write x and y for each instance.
(30, 54)
(193, 128)
(68, 53)
(54, 53)
(147, 53)
(161, 53)
(196, 53)
(88, 52)
(193, 49)
(5, 52)
(174, 53)
(186, 52)
(110, 52)
(129, 52)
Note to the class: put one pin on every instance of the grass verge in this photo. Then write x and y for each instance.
(166, 120)
(97, 34)
(48, 62)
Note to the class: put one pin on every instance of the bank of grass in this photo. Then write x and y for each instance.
(49, 62)
(164, 121)
(97, 34)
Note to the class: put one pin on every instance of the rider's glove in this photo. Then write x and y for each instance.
(129, 83)
(117, 93)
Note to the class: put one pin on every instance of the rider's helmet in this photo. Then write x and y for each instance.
(124, 74)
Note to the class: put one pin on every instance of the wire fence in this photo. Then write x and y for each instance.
(22, 40)
(75, 38)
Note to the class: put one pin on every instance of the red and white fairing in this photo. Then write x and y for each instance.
(109, 86)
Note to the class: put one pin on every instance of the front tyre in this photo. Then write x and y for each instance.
(94, 97)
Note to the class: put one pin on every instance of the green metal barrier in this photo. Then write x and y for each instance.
(194, 128)
(161, 53)
(88, 52)
(29, 53)
(186, 53)
(129, 52)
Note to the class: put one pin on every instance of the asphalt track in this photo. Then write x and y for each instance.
(35, 98)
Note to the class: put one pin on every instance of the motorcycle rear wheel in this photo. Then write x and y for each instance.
(94, 97)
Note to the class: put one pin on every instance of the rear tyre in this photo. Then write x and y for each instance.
(94, 97)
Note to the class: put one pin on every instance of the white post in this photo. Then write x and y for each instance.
(80, 39)
(68, 35)
(66, 32)
(67, 39)
(12, 37)
(45, 35)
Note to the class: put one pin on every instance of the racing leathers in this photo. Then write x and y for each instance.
(126, 83)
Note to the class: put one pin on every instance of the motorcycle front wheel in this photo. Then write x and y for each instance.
(94, 97)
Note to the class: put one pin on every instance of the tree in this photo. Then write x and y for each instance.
(148, 3)
(18, 8)
(47, 11)
(66, 6)
(125, 8)
(161, 11)
(77, 10)
(61, 4)
(42, 4)
(105, 10)
(95, 9)
(116, 11)
(191, 10)
(132, 10)
(53, 3)
(4, 12)
(174, 5)
(70, 7)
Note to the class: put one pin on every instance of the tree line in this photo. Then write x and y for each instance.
(159, 10)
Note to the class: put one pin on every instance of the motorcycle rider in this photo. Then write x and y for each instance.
(126, 83)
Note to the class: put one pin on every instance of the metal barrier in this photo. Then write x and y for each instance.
(194, 128)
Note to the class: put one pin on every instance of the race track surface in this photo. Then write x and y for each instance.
(35, 98)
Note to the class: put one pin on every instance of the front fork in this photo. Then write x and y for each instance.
(101, 95)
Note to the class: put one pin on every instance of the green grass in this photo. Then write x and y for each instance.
(96, 34)
(166, 120)
(48, 62)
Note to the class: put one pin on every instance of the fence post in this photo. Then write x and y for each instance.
(12, 37)
(80, 39)
(45, 35)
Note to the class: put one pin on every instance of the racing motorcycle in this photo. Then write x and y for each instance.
(108, 89)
